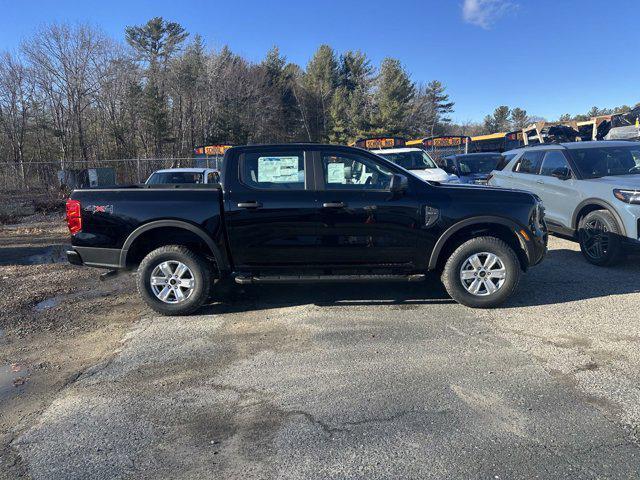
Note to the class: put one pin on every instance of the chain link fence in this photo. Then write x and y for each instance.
(48, 182)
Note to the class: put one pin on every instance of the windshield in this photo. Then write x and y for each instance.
(607, 161)
(176, 177)
(416, 160)
(471, 164)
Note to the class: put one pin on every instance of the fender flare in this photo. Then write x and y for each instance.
(601, 203)
(456, 227)
(206, 238)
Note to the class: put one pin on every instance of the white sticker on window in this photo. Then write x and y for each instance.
(335, 173)
(279, 170)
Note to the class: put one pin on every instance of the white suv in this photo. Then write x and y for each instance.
(590, 191)
(419, 162)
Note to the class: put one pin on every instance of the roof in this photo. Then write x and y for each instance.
(491, 136)
(475, 154)
(578, 145)
(396, 150)
(186, 170)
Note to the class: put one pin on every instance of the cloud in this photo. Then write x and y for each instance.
(485, 13)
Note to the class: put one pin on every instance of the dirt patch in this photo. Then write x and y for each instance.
(56, 320)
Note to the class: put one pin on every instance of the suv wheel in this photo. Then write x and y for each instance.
(174, 280)
(482, 272)
(599, 237)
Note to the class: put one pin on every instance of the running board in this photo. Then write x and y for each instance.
(244, 280)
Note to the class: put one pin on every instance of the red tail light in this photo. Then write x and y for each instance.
(74, 217)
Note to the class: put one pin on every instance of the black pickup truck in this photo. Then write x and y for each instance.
(308, 213)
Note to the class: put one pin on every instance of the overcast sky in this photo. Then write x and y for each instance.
(547, 56)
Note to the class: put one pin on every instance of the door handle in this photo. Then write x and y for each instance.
(334, 205)
(249, 204)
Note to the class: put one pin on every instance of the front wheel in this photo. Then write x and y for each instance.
(482, 273)
(173, 280)
(599, 237)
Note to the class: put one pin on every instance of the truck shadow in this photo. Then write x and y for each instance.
(259, 297)
(565, 276)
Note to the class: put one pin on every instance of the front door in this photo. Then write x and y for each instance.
(362, 223)
(270, 211)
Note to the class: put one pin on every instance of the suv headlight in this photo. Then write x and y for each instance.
(627, 196)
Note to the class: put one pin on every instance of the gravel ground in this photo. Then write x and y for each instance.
(56, 320)
(381, 381)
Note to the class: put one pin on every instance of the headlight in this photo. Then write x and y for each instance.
(627, 196)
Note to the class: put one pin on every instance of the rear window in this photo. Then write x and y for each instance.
(175, 177)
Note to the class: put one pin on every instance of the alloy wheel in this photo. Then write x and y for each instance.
(483, 274)
(172, 282)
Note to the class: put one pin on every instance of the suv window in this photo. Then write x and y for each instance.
(553, 161)
(529, 162)
(354, 172)
(277, 171)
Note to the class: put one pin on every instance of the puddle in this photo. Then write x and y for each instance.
(52, 254)
(58, 299)
(13, 378)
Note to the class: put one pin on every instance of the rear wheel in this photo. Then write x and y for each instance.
(174, 280)
(599, 236)
(482, 272)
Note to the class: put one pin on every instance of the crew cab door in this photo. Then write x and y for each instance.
(270, 208)
(362, 223)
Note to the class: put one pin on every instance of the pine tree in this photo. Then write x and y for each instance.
(499, 121)
(156, 42)
(393, 98)
(438, 106)
(519, 119)
(319, 81)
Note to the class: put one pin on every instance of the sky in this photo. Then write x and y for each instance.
(547, 56)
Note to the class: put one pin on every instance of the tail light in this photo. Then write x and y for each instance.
(74, 217)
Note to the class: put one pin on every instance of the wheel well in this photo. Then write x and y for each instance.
(497, 230)
(586, 210)
(161, 236)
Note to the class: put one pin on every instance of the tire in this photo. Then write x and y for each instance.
(184, 290)
(599, 237)
(484, 274)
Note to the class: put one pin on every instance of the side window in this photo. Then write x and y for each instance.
(553, 161)
(504, 160)
(273, 171)
(212, 177)
(354, 172)
(529, 162)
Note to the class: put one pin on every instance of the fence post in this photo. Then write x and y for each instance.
(138, 169)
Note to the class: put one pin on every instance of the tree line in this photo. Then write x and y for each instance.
(72, 93)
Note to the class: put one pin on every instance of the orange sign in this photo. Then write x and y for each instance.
(216, 149)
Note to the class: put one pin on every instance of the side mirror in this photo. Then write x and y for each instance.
(562, 173)
(399, 183)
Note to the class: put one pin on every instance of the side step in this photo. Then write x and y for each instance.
(244, 280)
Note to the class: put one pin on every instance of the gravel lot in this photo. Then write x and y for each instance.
(349, 381)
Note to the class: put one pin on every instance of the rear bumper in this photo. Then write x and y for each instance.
(95, 257)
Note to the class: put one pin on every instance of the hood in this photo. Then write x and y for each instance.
(432, 174)
(620, 181)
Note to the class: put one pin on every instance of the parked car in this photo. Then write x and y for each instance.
(308, 213)
(590, 190)
(472, 167)
(183, 175)
(418, 162)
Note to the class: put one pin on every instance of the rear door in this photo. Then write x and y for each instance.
(270, 209)
(560, 197)
(524, 174)
(363, 224)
